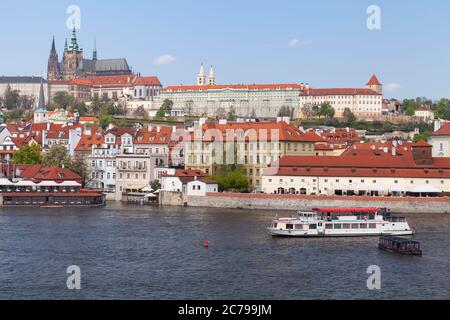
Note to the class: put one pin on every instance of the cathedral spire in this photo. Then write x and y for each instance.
(74, 42)
(41, 104)
(66, 47)
(94, 54)
(53, 45)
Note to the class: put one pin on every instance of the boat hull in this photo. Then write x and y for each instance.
(306, 234)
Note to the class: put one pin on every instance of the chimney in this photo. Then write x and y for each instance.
(158, 129)
(150, 128)
(174, 129)
(385, 149)
(394, 151)
(437, 125)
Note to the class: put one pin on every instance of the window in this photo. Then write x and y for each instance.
(338, 226)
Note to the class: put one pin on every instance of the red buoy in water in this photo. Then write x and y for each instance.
(206, 244)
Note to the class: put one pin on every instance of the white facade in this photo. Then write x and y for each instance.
(425, 114)
(246, 100)
(102, 169)
(199, 188)
(27, 86)
(361, 104)
(350, 185)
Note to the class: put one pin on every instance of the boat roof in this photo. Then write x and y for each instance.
(398, 240)
(346, 210)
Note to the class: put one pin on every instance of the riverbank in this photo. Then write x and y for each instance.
(300, 202)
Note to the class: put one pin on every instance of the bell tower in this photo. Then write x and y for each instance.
(201, 78)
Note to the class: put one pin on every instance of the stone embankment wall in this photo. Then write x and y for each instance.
(298, 202)
(168, 198)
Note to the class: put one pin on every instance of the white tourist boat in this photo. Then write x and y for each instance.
(341, 222)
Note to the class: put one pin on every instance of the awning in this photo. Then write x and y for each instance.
(426, 189)
(151, 195)
(147, 189)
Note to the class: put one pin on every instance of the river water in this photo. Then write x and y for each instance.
(127, 252)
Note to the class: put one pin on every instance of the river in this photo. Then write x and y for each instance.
(127, 252)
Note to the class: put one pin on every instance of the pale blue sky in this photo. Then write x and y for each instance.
(246, 40)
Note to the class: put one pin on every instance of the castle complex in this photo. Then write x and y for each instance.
(74, 65)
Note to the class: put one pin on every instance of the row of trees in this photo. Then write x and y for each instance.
(57, 156)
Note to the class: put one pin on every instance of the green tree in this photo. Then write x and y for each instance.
(326, 111)
(57, 156)
(161, 113)
(231, 115)
(349, 116)
(167, 106)
(231, 178)
(442, 109)
(409, 106)
(421, 136)
(63, 100)
(28, 155)
(10, 98)
(155, 185)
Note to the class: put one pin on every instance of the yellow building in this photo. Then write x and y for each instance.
(251, 145)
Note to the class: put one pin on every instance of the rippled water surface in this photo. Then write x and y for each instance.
(151, 253)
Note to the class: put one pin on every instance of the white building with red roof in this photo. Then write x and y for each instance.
(440, 139)
(371, 173)
(363, 102)
(248, 100)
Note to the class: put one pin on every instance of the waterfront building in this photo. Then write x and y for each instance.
(75, 65)
(35, 185)
(440, 139)
(135, 172)
(29, 86)
(378, 174)
(252, 145)
(187, 182)
(364, 103)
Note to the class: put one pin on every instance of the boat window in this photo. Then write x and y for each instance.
(346, 226)
(328, 226)
(289, 226)
(355, 226)
(338, 226)
(363, 226)
(299, 226)
(372, 226)
(313, 226)
(275, 225)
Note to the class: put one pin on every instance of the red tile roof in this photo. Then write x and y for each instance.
(117, 81)
(443, 131)
(145, 136)
(291, 86)
(86, 142)
(374, 81)
(41, 173)
(255, 131)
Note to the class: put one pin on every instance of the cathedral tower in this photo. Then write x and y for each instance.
(201, 78)
(53, 71)
(73, 59)
(212, 77)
